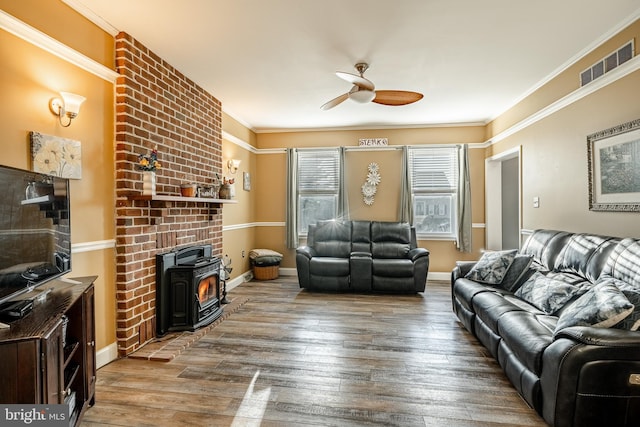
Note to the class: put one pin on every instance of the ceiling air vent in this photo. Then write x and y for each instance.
(607, 63)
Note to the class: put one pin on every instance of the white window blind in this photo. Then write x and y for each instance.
(434, 186)
(318, 171)
(433, 169)
(318, 178)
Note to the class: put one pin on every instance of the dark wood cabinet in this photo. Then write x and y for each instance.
(49, 355)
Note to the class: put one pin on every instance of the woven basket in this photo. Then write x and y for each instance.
(266, 273)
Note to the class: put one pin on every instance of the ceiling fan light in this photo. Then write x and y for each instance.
(362, 96)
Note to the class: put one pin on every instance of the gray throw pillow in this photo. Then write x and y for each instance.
(492, 267)
(547, 294)
(632, 321)
(516, 272)
(602, 306)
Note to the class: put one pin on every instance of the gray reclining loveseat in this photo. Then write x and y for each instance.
(362, 256)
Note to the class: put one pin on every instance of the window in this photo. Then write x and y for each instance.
(434, 184)
(318, 178)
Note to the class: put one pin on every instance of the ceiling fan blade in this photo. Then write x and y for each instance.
(356, 80)
(396, 97)
(335, 101)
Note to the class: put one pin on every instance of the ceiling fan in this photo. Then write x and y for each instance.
(363, 91)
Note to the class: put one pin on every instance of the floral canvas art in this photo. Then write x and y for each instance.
(56, 156)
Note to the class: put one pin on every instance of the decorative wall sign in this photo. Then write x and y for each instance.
(373, 142)
(613, 157)
(369, 187)
(56, 156)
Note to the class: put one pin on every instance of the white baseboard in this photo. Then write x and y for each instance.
(445, 275)
(439, 275)
(106, 355)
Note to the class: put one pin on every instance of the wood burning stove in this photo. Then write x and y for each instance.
(187, 289)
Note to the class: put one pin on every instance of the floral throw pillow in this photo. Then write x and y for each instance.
(492, 267)
(602, 306)
(545, 293)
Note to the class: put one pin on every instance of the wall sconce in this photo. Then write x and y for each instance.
(68, 105)
(233, 165)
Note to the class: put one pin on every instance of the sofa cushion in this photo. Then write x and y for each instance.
(492, 267)
(361, 236)
(602, 306)
(392, 267)
(585, 255)
(624, 262)
(332, 239)
(527, 335)
(490, 306)
(464, 290)
(547, 294)
(328, 266)
(545, 245)
(517, 273)
(390, 239)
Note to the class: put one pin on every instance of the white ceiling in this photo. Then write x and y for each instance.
(271, 62)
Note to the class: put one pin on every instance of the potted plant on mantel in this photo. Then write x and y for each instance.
(148, 164)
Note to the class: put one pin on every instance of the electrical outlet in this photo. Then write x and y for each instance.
(242, 254)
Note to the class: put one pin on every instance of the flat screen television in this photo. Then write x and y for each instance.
(35, 230)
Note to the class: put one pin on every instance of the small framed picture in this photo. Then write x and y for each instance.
(246, 181)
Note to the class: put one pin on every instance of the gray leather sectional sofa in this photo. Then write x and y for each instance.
(362, 256)
(561, 332)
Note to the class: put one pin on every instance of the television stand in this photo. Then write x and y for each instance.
(48, 356)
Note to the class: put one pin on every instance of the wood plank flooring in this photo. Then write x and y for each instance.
(290, 357)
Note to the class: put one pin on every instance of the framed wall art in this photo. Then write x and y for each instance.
(613, 157)
(56, 156)
(246, 181)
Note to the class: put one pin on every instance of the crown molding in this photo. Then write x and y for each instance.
(612, 76)
(92, 16)
(53, 46)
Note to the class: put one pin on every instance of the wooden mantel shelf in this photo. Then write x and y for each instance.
(167, 198)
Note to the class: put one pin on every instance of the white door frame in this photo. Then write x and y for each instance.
(493, 196)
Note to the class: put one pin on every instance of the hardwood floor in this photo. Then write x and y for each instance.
(290, 357)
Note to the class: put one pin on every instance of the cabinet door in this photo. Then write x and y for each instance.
(90, 344)
(52, 365)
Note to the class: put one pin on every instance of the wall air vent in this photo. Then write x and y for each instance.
(608, 63)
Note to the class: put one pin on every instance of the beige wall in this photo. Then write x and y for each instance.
(554, 152)
(268, 188)
(29, 78)
(554, 162)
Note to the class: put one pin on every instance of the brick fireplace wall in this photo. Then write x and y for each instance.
(158, 107)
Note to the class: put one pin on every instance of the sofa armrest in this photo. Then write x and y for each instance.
(461, 269)
(587, 365)
(307, 251)
(607, 337)
(417, 253)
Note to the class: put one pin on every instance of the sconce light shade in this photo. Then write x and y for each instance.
(233, 165)
(68, 105)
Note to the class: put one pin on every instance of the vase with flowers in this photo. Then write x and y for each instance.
(148, 164)
(226, 189)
